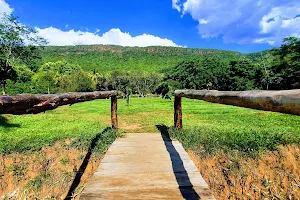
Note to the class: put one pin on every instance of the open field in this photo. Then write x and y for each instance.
(213, 125)
(240, 152)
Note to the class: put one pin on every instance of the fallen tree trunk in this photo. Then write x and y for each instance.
(29, 103)
(284, 101)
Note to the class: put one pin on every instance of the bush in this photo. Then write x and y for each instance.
(82, 82)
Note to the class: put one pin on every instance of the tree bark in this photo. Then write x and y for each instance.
(28, 103)
(284, 101)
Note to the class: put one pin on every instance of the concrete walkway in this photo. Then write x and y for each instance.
(146, 166)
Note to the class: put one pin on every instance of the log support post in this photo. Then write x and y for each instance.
(114, 112)
(177, 113)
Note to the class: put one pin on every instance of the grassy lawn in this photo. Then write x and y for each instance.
(213, 126)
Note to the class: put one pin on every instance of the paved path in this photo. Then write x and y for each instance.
(146, 166)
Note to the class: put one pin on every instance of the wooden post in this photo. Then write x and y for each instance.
(177, 113)
(114, 112)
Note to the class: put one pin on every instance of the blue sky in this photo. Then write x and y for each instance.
(240, 25)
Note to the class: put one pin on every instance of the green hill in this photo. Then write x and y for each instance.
(106, 58)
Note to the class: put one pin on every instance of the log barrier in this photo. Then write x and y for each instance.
(33, 104)
(283, 101)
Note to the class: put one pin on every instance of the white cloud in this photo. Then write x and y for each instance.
(279, 23)
(175, 5)
(244, 21)
(114, 36)
(203, 21)
(5, 8)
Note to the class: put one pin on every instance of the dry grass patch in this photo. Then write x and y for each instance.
(46, 174)
(273, 175)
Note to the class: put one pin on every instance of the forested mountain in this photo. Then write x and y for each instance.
(106, 58)
(136, 70)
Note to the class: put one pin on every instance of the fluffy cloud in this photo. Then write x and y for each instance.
(175, 4)
(114, 36)
(244, 21)
(279, 23)
(5, 8)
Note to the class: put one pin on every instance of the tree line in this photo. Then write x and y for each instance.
(277, 69)
(61, 76)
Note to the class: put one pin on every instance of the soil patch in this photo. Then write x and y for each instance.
(130, 127)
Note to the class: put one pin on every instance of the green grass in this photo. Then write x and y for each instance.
(212, 126)
(229, 128)
(32, 132)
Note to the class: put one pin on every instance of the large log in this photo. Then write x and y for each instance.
(284, 101)
(32, 104)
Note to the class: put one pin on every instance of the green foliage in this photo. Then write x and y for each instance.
(165, 90)
(35, 183)
(18, 44)
(265, 76)
(52, 77)
(212, 73)
(61, 76)
(241, 76)
(276, 69)
(141, 70)
(286, 65)
(45, 82)
(203, 73)
(107, 58)
(20, 87)
(7, 72)
(24, 74)
(60, 68)
(82, 82)
(64, 161)
(135, 82)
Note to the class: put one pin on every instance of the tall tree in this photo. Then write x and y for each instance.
(241, 75)
(204, 73)
(286, 64)
(18, 44)
(267, 75)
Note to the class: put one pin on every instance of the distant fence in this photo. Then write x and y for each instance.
(284, 101)
(33, 104)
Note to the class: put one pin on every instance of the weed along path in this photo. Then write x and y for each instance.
(146, 166)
